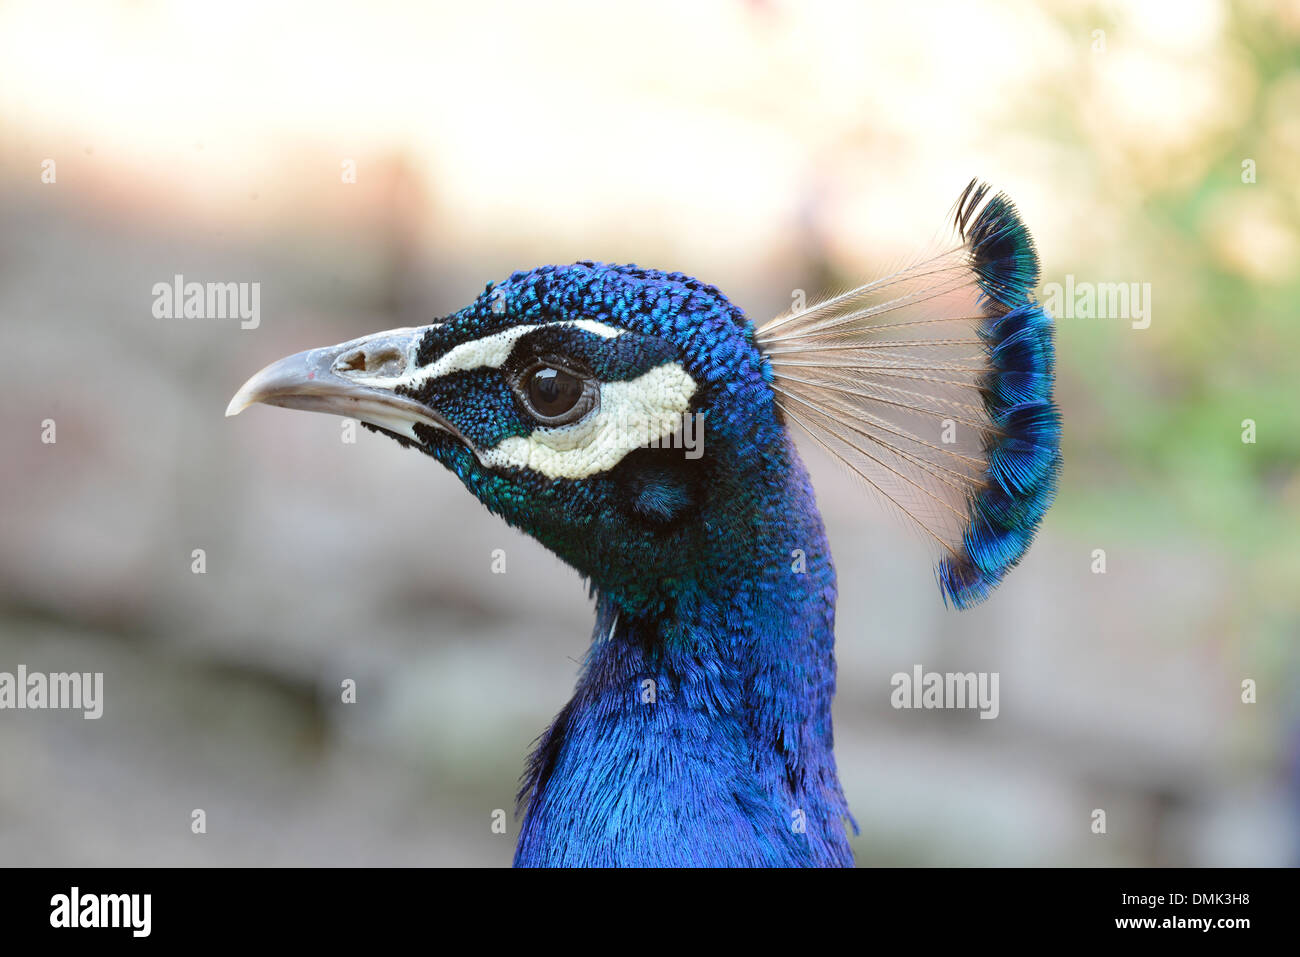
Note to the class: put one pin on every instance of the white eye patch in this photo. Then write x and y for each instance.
(632, 414)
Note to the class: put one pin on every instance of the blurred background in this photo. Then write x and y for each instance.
(763, 146)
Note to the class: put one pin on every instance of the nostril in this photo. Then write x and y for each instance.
(383, 361)
(354, 361)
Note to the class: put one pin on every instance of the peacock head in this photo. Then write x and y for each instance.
(633, 421)
(608, 411)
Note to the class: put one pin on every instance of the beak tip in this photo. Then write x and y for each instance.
(238, 404)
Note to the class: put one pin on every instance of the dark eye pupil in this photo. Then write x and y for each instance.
(553, 391)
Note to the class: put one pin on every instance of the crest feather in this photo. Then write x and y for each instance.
(934, 386)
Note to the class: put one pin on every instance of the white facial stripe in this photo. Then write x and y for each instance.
(631, 414)
(492, 351)
(487, 352)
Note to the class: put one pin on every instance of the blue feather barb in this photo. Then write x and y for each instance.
(1024, 450)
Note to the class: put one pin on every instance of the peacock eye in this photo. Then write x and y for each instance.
(556, 396)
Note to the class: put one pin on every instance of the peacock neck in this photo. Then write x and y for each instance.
(701, 734)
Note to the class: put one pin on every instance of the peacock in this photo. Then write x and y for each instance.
(639, 426)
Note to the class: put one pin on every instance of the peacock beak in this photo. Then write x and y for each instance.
(356, 379)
